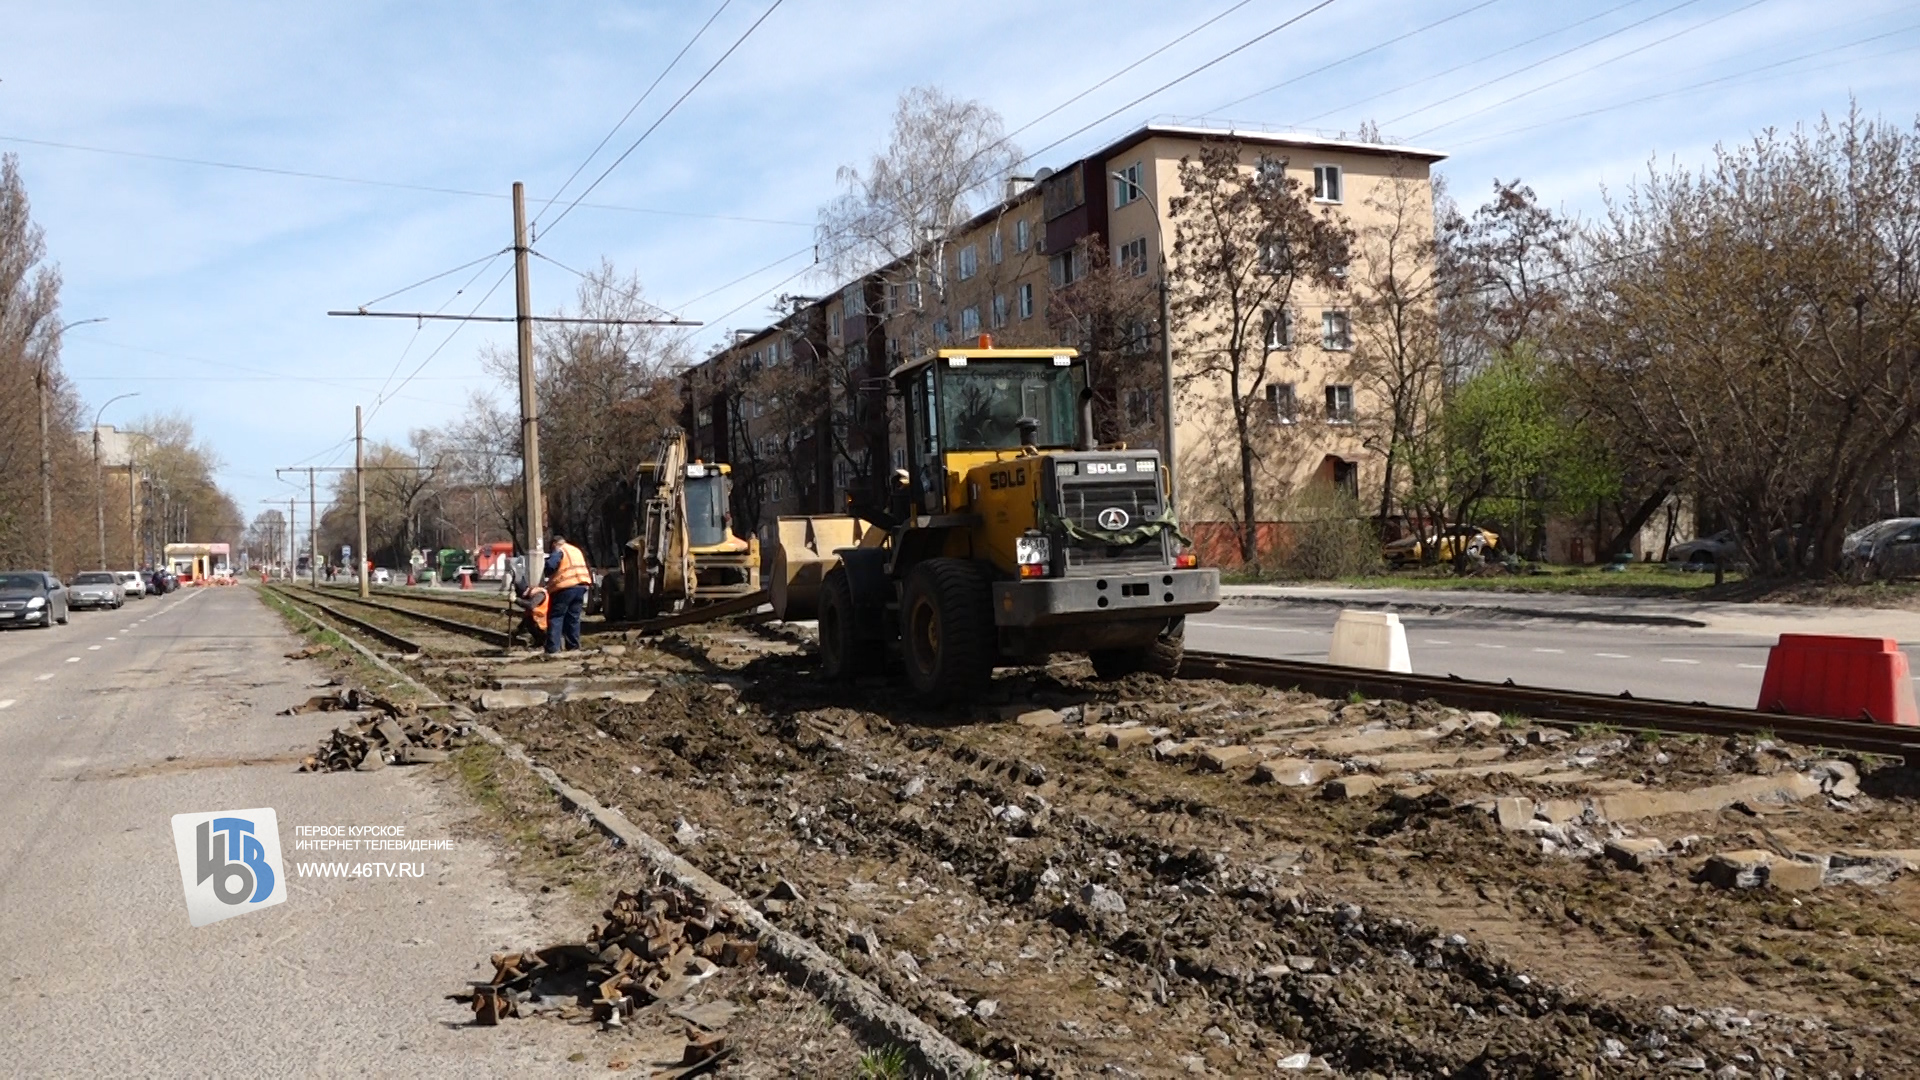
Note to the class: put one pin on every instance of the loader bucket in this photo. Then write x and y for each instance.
(803, 552)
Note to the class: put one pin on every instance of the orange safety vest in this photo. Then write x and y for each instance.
(573, 569)
(538, 612)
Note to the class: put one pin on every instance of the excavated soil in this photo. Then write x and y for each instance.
(1067, 909)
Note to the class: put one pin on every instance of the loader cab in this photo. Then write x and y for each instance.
(964, 407)
(708, 514)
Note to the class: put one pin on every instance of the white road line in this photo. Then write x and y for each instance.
(1753, 667)
(1484, 645)
(1614, 655)
(7, 704)
(93, 648)
(1550, 650)
(1672, 660)
(1263, 629)
(43, 678)
(1431, 641)
(113, 639)
(73, 659)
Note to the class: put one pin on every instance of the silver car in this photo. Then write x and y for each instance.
(1884, 549)
(96, 589)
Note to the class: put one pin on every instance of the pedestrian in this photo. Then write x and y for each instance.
(567, 581)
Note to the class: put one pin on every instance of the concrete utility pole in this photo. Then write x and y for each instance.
(1166, 339)
(133, 529)
(360, 501)
(529, 416)
(100, 483)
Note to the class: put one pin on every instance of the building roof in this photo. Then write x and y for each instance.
(1267, 138)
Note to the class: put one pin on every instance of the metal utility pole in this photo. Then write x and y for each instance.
(100, 484)
(313, 523)
(360, 502)
(529, 416)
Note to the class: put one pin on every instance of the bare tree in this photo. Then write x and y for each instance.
(1112, 313)
(1244, 238)
(1758, 324)
(1396, 347)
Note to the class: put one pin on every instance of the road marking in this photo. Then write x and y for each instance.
(1264, 629)
(7, 704)
(113, 638)
(1484, 645)
(73, 659)
(1431, 641)
(90, 648)
(43, 678)
(1671, 660)
(1614, 655)
(1550, 650)
(1753, 667)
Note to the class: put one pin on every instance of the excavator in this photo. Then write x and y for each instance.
(1010, 536)
(683, 551)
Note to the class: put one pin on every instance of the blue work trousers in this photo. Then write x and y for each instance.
(563, 618)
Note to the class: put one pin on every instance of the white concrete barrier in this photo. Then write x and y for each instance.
(1370, 639)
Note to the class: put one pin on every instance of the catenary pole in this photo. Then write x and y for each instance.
(360, 503)
(529, 417)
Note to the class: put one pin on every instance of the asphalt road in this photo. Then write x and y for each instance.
(1673, 663)
(116, 722)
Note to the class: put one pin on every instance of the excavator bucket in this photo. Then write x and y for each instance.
(803, 552)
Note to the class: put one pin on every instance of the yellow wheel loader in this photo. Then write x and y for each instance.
(1008, 537)
(683, 550)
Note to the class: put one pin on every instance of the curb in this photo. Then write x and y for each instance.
(1438, 607)
(802, 962)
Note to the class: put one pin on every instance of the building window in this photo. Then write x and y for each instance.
(1339, 404)
(1279, 330)
(1026, 300)
(995, 249)
(1022, 236)
(1137, 338)
(856, 357)
(905, 297)
(940, 332)
(1133, 257)
(1139, 408)
(1126, 186)
(854, 300)
(969, 261)
(833, 325)
(704, 418)
(1065, 268)
(999, 310)
(1285, 402)
(1336, 332)
(1276, 256)
(899, 458)
(1326, 183)
(969, 321)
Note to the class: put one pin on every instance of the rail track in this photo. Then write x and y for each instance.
(1565, 706)
(308, 595)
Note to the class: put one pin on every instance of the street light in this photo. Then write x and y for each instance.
(1166, 336)
(99, 483)
(46, 451)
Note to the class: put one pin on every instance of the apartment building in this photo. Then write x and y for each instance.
(1074, 257)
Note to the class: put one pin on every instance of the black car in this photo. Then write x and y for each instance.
(30, 597)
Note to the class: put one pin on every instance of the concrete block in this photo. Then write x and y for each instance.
(1634, 852)
(1367, 742)
(1513, 812)
(1357, 786)
(1169, 750)
(1561, 811)
(1297, 772)
(1039, 718)
(1126, 738)
(1370, 639)
(1796, 875)
(1737, 869)
(1225, 758)
(496, 700)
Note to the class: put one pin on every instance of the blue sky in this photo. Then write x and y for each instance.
(216, 280)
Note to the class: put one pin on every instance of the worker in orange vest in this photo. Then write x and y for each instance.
(568, 579)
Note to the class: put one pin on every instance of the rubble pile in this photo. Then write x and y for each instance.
(396, 735)
(655, 947)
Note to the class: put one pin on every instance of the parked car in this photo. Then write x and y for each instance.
(168, 580)
(96, 589)
(382, 576)
(132, 582)
(1884, 549)
(1718, 548)
(29, 597)
(1411, 550)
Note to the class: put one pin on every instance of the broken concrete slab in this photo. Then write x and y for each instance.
(1752, 868)
(497, 700)
(1367, 741)
(1357, 786)
(1513, 812)
(1634, 852)
(1421, 760)
(1781, 788)
(1297, 772)
(1127, 738)
(1228, 758)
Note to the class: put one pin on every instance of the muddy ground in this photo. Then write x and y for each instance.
(1068, 909)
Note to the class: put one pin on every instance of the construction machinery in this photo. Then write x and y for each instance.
(1009, 536)
(683, 550)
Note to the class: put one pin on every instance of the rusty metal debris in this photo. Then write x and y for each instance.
(654, 947)
(396, 735)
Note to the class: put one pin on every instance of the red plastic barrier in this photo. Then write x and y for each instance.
(1845, 678)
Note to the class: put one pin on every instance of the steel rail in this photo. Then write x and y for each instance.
(490, 636)
(1564, 706)
(404, 644)
(481, 600)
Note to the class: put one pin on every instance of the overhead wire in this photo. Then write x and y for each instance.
(651, 128)
(1635, 51)
(648, 92)
(436, 277)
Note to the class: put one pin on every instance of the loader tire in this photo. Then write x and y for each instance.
(1161, 658)
(844, 652)
(948, 641)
